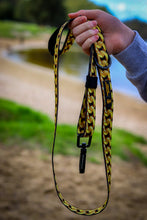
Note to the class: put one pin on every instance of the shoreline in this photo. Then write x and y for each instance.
(16, 58)
(33, 85)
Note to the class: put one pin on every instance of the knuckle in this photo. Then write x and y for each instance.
(74, 31)
(90, 32)
(74, 22)
(89, 24)
(87, 44)
(81, 12)
(78, 40)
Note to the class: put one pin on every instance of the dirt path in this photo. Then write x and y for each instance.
(27, 190)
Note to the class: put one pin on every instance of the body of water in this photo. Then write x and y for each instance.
(75, 62)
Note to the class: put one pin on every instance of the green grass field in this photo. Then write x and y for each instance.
(11, 29)
(22, 126)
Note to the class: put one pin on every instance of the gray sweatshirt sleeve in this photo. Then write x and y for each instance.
(134, 59)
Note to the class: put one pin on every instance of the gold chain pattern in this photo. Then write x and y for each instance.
(86, 124)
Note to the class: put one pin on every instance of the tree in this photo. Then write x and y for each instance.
(11, 10)
(22, 10)
(6, 9)
(48, 11)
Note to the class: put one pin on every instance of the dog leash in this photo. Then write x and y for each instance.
(99, 60)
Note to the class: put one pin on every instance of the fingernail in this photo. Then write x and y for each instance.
(96, 37)
(94, 23)
(83, 18)
(95, 31)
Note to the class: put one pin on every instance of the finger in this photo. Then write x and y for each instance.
(77, 21)
(89, 25)
(80, 39)
(87, 44)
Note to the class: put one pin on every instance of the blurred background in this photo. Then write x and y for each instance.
(27, 118)
(22, 19)
(55, 12)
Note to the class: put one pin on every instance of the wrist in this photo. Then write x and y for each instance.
(125, 38)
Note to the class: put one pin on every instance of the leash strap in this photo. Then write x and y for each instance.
(100, 60)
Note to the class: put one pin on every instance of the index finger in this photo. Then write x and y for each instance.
(77, 21)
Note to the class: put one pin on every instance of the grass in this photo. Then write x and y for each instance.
(11, 29)
(25, 127)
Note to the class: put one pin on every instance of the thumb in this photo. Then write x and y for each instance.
(90, 14)
(73, 15)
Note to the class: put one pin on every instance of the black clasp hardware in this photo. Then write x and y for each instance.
(82, 161)
(83, 147)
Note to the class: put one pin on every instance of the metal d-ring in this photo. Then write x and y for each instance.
(103, 67)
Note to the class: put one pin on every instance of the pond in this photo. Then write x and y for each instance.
(75, 62)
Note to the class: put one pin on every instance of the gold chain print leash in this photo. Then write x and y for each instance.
(100, 60)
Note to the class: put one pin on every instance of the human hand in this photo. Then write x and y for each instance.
(117, 35)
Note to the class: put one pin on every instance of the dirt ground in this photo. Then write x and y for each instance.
(27, 189)
(26, 183)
